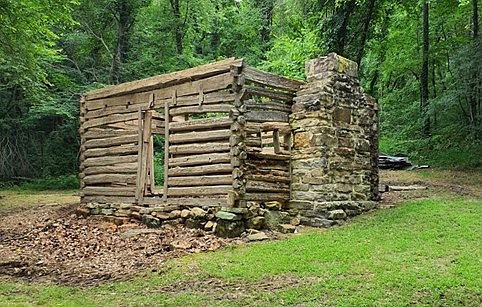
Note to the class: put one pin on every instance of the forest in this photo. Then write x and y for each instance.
(420, 59)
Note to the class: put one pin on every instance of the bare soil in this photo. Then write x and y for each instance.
(51, 243)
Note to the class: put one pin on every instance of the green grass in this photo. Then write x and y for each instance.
(421, 252)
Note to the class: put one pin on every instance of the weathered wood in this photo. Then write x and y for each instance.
(200, 136)
(263, 186)
(265, 154)
(210, 108)
(266, 196)
(130, 125)
(139, 192)
(108, 142)
(271, 80)
(109, 199)
(109, 160)
(167, 150)
(109, 191)
(150, 165)
(187, 149)
(109, 119)
(200, 180)
(267, 106)
(263, 92)
(201, 124)
(193, 100)
(95, 133)
(211, 201)
(268, 178)
(164, 80)
(212, 158)
(125, 100)
(200, 170)
(110, 178)
(283, 127)
(276, 142)
(266, 116)
(111, 110)
(116, 168)
(199, 191)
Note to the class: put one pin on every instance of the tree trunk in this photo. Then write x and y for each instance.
(125, 20)
(178, 33)
(475, 82)
(340, 39)
(364, 34)
(424, 75)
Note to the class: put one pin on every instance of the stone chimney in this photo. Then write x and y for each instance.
(334, 170)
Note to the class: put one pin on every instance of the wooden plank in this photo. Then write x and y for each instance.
(187, 149)
(193, 100)
(109, 160)
(269, 156)
(266, 116)
(214, 108)
(109, 191)
(201, 124)
(199, 191)
(109, 119)
(139, 193)
(263, 92)
(283, 127)
(108, 142)
(150, 164)
(211, 158)
(200, 180)
(191, 137)
(211, 201)
(263, 186)
(146, 136)
(110, 178)
(271, 80)
(164, 80)
(116, 168)
(200, 170)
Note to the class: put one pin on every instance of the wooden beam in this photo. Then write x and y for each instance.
(167, 114)
(109, 160)
(108, 142)
(198, 137)
(266, 116)
(201, 124)
(187, 149)
(163, 80)
(109, 191)
(109, 119)
(263, 92)
(210, 108)
(263, 186)
(200, 180)
(211, 158)
(116, 168)
(200, 170)
(271, 80)
(199, 191)
(110, 178)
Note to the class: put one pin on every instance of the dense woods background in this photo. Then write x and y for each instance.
(420, 59)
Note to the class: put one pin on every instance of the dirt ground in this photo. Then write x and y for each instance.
(48, 242)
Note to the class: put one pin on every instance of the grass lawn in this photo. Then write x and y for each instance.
(421, 252)
(17, 199)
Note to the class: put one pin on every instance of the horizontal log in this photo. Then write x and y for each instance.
(211, 201)
(107, 142)
(109, 160)
(215, 108)
(109, 119)
(268, 172)
(108, 199)
(110, 178)
(165, 80)
(263, 92)
(201, 124)
(283, 127)
(267, 178)
(130, 125)
(268, 156)
(266, 116)
(188, 149)
(268, 106)
(109, 191)
(263, 186)
(212, 158)
(129, 168)
(201, 191)
(111, 110)
(263, 165)
(204, 136)
(193, 100)
(136, 100)
(100, 133)
(200, 170)
(200, 180)
(265, 196)
(271, 80)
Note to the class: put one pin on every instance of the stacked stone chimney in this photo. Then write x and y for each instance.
(334, 171)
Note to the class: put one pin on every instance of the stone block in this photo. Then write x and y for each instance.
(107, 211)
(342, 115)
(317, 222)
(337, 214)
(330, 63)
(256, 222)
(229, 228)
(286, 228)
(228, 216)
(150, 221)
(274, 218)
(197, 212)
